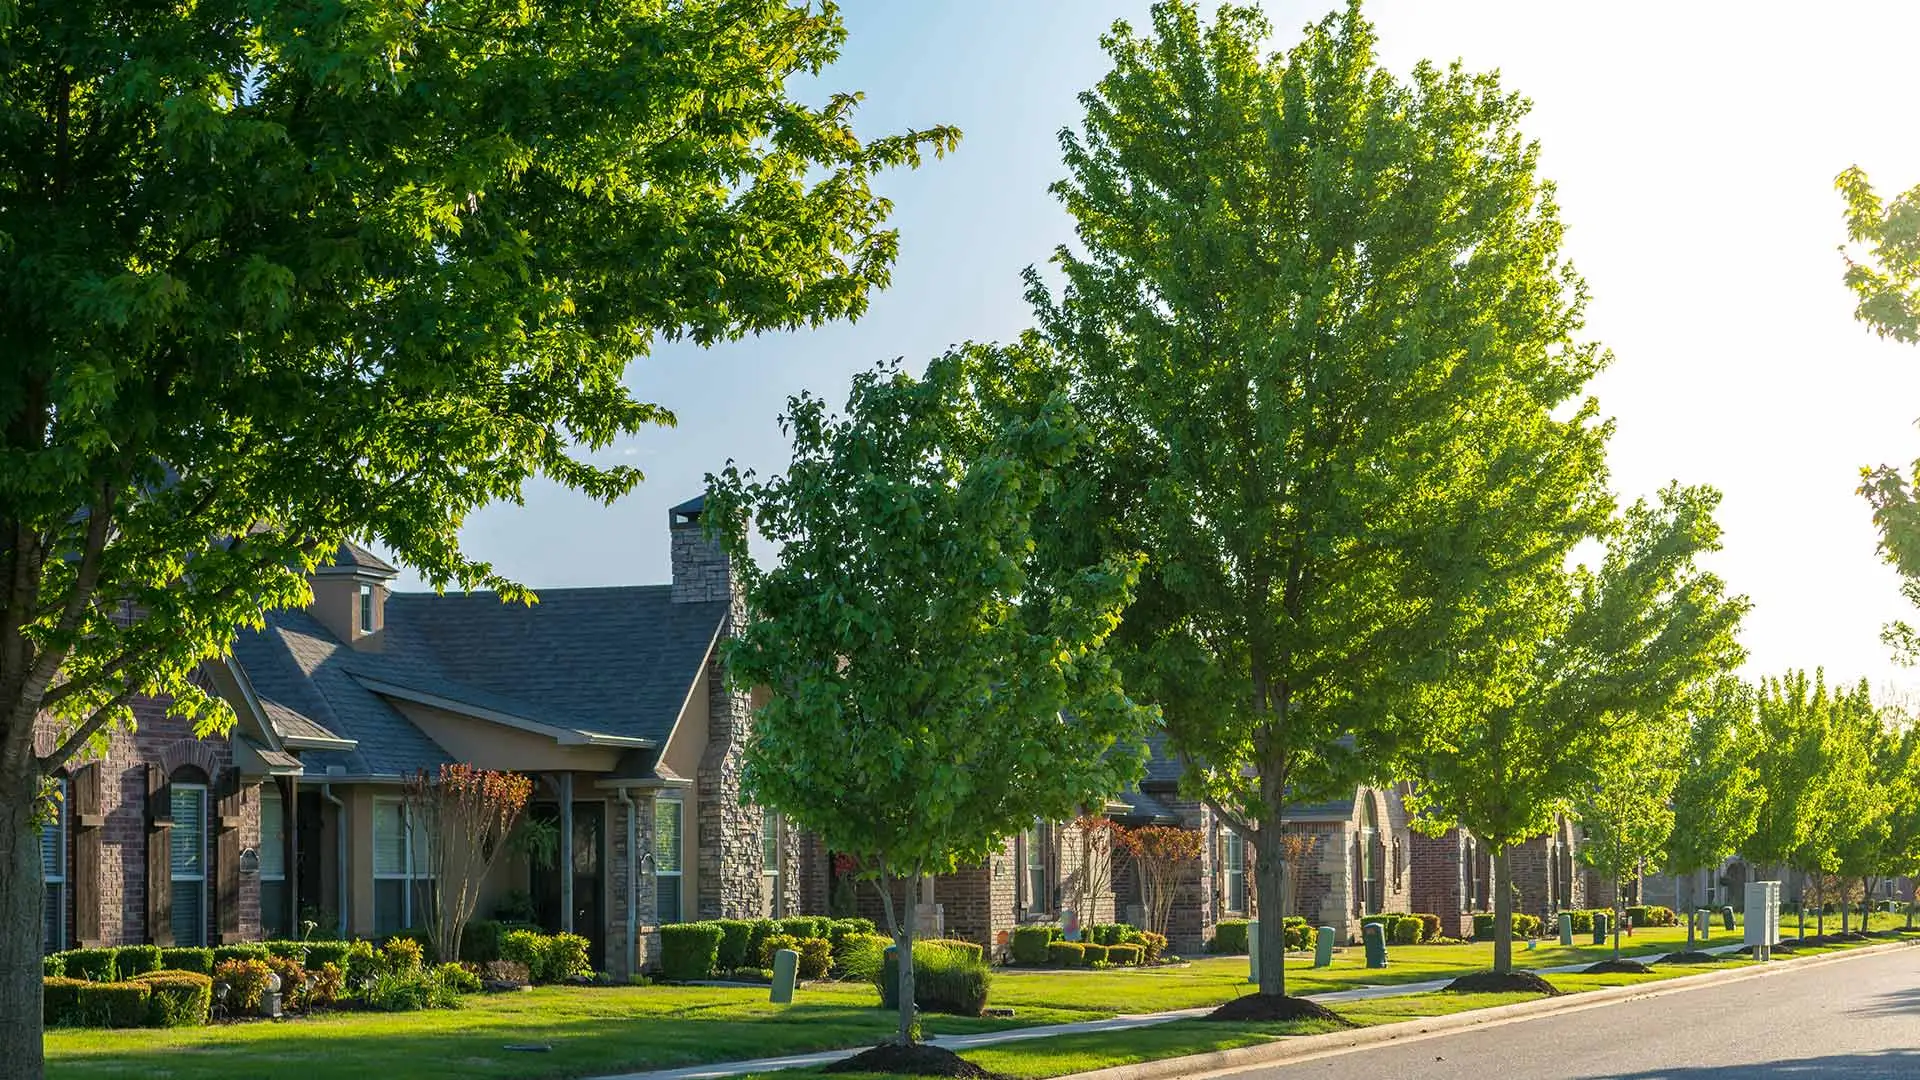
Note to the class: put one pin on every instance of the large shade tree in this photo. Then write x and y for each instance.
(273, 274)
(1320, 320)
(938, 682)
(1589, 658)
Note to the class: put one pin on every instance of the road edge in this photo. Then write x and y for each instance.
(1303, 1047)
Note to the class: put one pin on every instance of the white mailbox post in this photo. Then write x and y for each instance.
(1763, 918)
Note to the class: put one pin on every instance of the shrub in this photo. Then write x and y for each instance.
(322, 953)
(973, 949)
(1229, 937)
(1094, 954)
(860, 956)
(687, 950)
(134, 960)
(1299, 934)
(510, 972)
(402, 956)
(329, 981)
(246, 950)
(527, 947)
(1066, 953)
(845, 928)
(1429, 926)
(480, 941)
(774, 944)
(757, 937)
(244, 981)
(733, 942)
(816, 957)
(113, 1004)
(944, 980)
(566, 956)
(1151, 944)
(1523, 925)
(1406, 931)
(1641, 916)
(1526, 925)
(406, 991)
(53, 966)
(1030, 944)
(60, 1000)
(1123, 954)
(804, 926)
(93, 965)
(192, 959)
(362, 964)
(288, 950)
(178, 998)
(458, 978)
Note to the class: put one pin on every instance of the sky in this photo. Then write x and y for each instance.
(1694, 144)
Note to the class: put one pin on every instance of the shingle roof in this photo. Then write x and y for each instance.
(1163, 773)
(354, 557)
(1145, 809)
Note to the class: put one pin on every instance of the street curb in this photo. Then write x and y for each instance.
(1297, 1048)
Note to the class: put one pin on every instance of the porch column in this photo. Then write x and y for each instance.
(566, 852)
(290, 850)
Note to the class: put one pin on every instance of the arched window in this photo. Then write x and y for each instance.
(1369, 855)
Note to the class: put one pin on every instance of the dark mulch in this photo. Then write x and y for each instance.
(1782, 949)
(1492, 982)
(1689, 958)
(1272, 1007)
(916, 1060)
(1618, 967)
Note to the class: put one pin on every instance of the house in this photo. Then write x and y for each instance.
(611, 698)
(1453, 876)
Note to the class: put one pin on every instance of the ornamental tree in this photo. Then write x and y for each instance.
(1627, 805)
(1162, 856)
(936, 684)
(1590, 658)
(1319, 319)
(467, 817)
(275, 273)
(1717, 794)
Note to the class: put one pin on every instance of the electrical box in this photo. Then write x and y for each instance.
(1763, 917)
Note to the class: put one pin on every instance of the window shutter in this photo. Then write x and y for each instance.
(225, 878)
(83, 787)
(159, 856)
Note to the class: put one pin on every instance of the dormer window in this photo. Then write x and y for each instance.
(366, 609)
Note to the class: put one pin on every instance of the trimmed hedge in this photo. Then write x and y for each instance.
(773, 944)
(178, 998)
(1094, 954)
(60, 1000)
(187, 958)
(248, 950)
(1066, 953)
(944, 980)
(1523, 925)
(1641, 916)
(136, 960)
(762, 929)
(972, 949)
(53, 966)
(1229, 937)
(1030, 944)
(816, 957)
(1123, 954)
(860, 956)
(113, 1004)
(806, 926)
(1429, 925)
(688, 951)
(295, 951)
(1406, 931)
(322, 953)
(94, 965)
(734, 934)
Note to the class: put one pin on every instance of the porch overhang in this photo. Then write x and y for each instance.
(563, 736)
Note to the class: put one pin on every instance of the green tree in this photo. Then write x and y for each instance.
(1588, 659)
(1717, 795)
(1871, 761)
(1627, 805)
(941, 683)
(1320, 321)
(279, 273)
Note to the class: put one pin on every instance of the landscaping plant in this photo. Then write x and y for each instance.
(1162, 857)
(467, 816)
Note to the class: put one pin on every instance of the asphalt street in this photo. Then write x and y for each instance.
(1850, 1019)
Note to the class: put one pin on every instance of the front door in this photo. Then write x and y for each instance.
(584, 859)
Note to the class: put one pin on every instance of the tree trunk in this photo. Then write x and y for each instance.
(1502, 914)
(902, 930)
(1684, 902)
(21, 895)
(1269, 873)
(1846, 911)
(1616, 916)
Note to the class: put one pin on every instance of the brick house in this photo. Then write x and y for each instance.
(1453, 876)
(611, 698)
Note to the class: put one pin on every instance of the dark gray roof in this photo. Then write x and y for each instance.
(692, 508)
(1144, 809)
(1163, 774)
(351, 556)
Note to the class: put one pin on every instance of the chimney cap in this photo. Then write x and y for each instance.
(687, 513)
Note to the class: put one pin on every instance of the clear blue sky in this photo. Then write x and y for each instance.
(1695, 146)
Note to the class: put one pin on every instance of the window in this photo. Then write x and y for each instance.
(1369, 856)
(189, 850)
(53, 869)
(273, 863)
(770, 862)
(366, 609)
(668, 827)
(1033, 843)
(402, 879)
(1233, 863)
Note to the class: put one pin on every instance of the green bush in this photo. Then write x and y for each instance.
(113, 1004)
(293, 981)
(1123, 954)
(1429, 926)
(816, 957)
(246, 950)
(322, 953)
(480, 941)
(566, 957)
(1406, 931)
(944, 981)
(1151, 944)
(60, 1000)
(178, 998)
(288, 950)
(402, 955)
(406, 991)
(1299, 934)
(93, 965)
(363, 963)
(757, 937)
(189, 958)
(527, 947)
(329, 983)
(1030, 944)
(973, 949)
(458, 978)
(133, 960)
(1066, 953)
(688, 951)
(53, 966)
(806, 926)
(844, 928)
(734, 934)
(860, 956)
(773, 944)
(1641, 916)
(245, 980)
(1094, 954)
(1229, 937)
(1523, 925)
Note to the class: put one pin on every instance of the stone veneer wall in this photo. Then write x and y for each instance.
(646, 901)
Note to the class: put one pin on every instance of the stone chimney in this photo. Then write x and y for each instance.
(350, 595)
(701, 571)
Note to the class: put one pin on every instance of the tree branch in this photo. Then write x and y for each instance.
(82, 733)
(47, 664)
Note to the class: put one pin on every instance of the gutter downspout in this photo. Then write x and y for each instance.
(340, 867)
(633, 881)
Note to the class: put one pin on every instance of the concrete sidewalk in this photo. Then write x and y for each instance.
(958, 1043)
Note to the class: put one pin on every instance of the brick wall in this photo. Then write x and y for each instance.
(1435, 887)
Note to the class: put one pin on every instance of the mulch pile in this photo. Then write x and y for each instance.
(1618, 967)
(1491, 982)
(1689, 958)
(916, 1060)
(1782, 949)
(1272, 1007)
